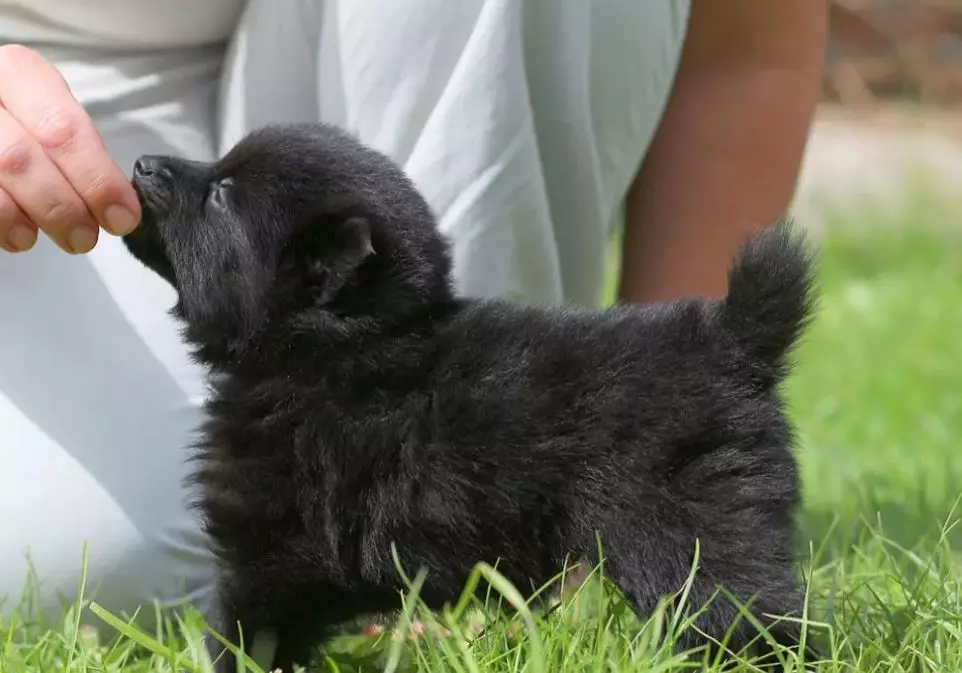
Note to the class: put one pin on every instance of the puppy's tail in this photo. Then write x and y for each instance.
(770, 297)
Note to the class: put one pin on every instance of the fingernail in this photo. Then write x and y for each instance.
(119, 221)
(21, 237)
(81, 240)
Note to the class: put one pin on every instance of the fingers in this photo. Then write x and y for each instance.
(20, 234)
(34, 182)
(53, 163)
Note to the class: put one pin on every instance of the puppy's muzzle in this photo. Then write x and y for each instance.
(153, 181)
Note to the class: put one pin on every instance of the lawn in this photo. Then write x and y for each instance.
(878, 398)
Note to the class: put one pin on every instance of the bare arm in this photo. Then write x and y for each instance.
(726, 157)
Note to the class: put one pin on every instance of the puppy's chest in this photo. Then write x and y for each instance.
(260, 440)
(293, 451)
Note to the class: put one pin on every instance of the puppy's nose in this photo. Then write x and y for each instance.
(149, 166)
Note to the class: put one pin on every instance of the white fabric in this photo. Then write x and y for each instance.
(119, 24)
(522, 122)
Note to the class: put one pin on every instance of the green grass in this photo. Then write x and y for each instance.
(878, 399)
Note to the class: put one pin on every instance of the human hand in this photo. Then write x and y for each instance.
(55, 172)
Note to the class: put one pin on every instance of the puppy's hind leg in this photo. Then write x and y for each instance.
(648, 571)
(650, 552)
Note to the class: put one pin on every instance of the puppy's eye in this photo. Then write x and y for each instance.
(217, 197)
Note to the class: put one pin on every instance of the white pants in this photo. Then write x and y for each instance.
(522, 122)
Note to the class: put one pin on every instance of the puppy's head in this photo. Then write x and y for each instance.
(296, 224)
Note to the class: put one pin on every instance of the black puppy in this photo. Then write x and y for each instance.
(357, 402)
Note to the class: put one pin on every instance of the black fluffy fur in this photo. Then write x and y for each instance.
(357, 402)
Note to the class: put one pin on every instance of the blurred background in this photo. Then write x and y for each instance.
(878, 392)
(892, 100)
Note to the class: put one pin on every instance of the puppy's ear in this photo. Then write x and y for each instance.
(331, 260)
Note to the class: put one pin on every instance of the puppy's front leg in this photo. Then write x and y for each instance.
(301, 634)
(294, 646)
(227, 621)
